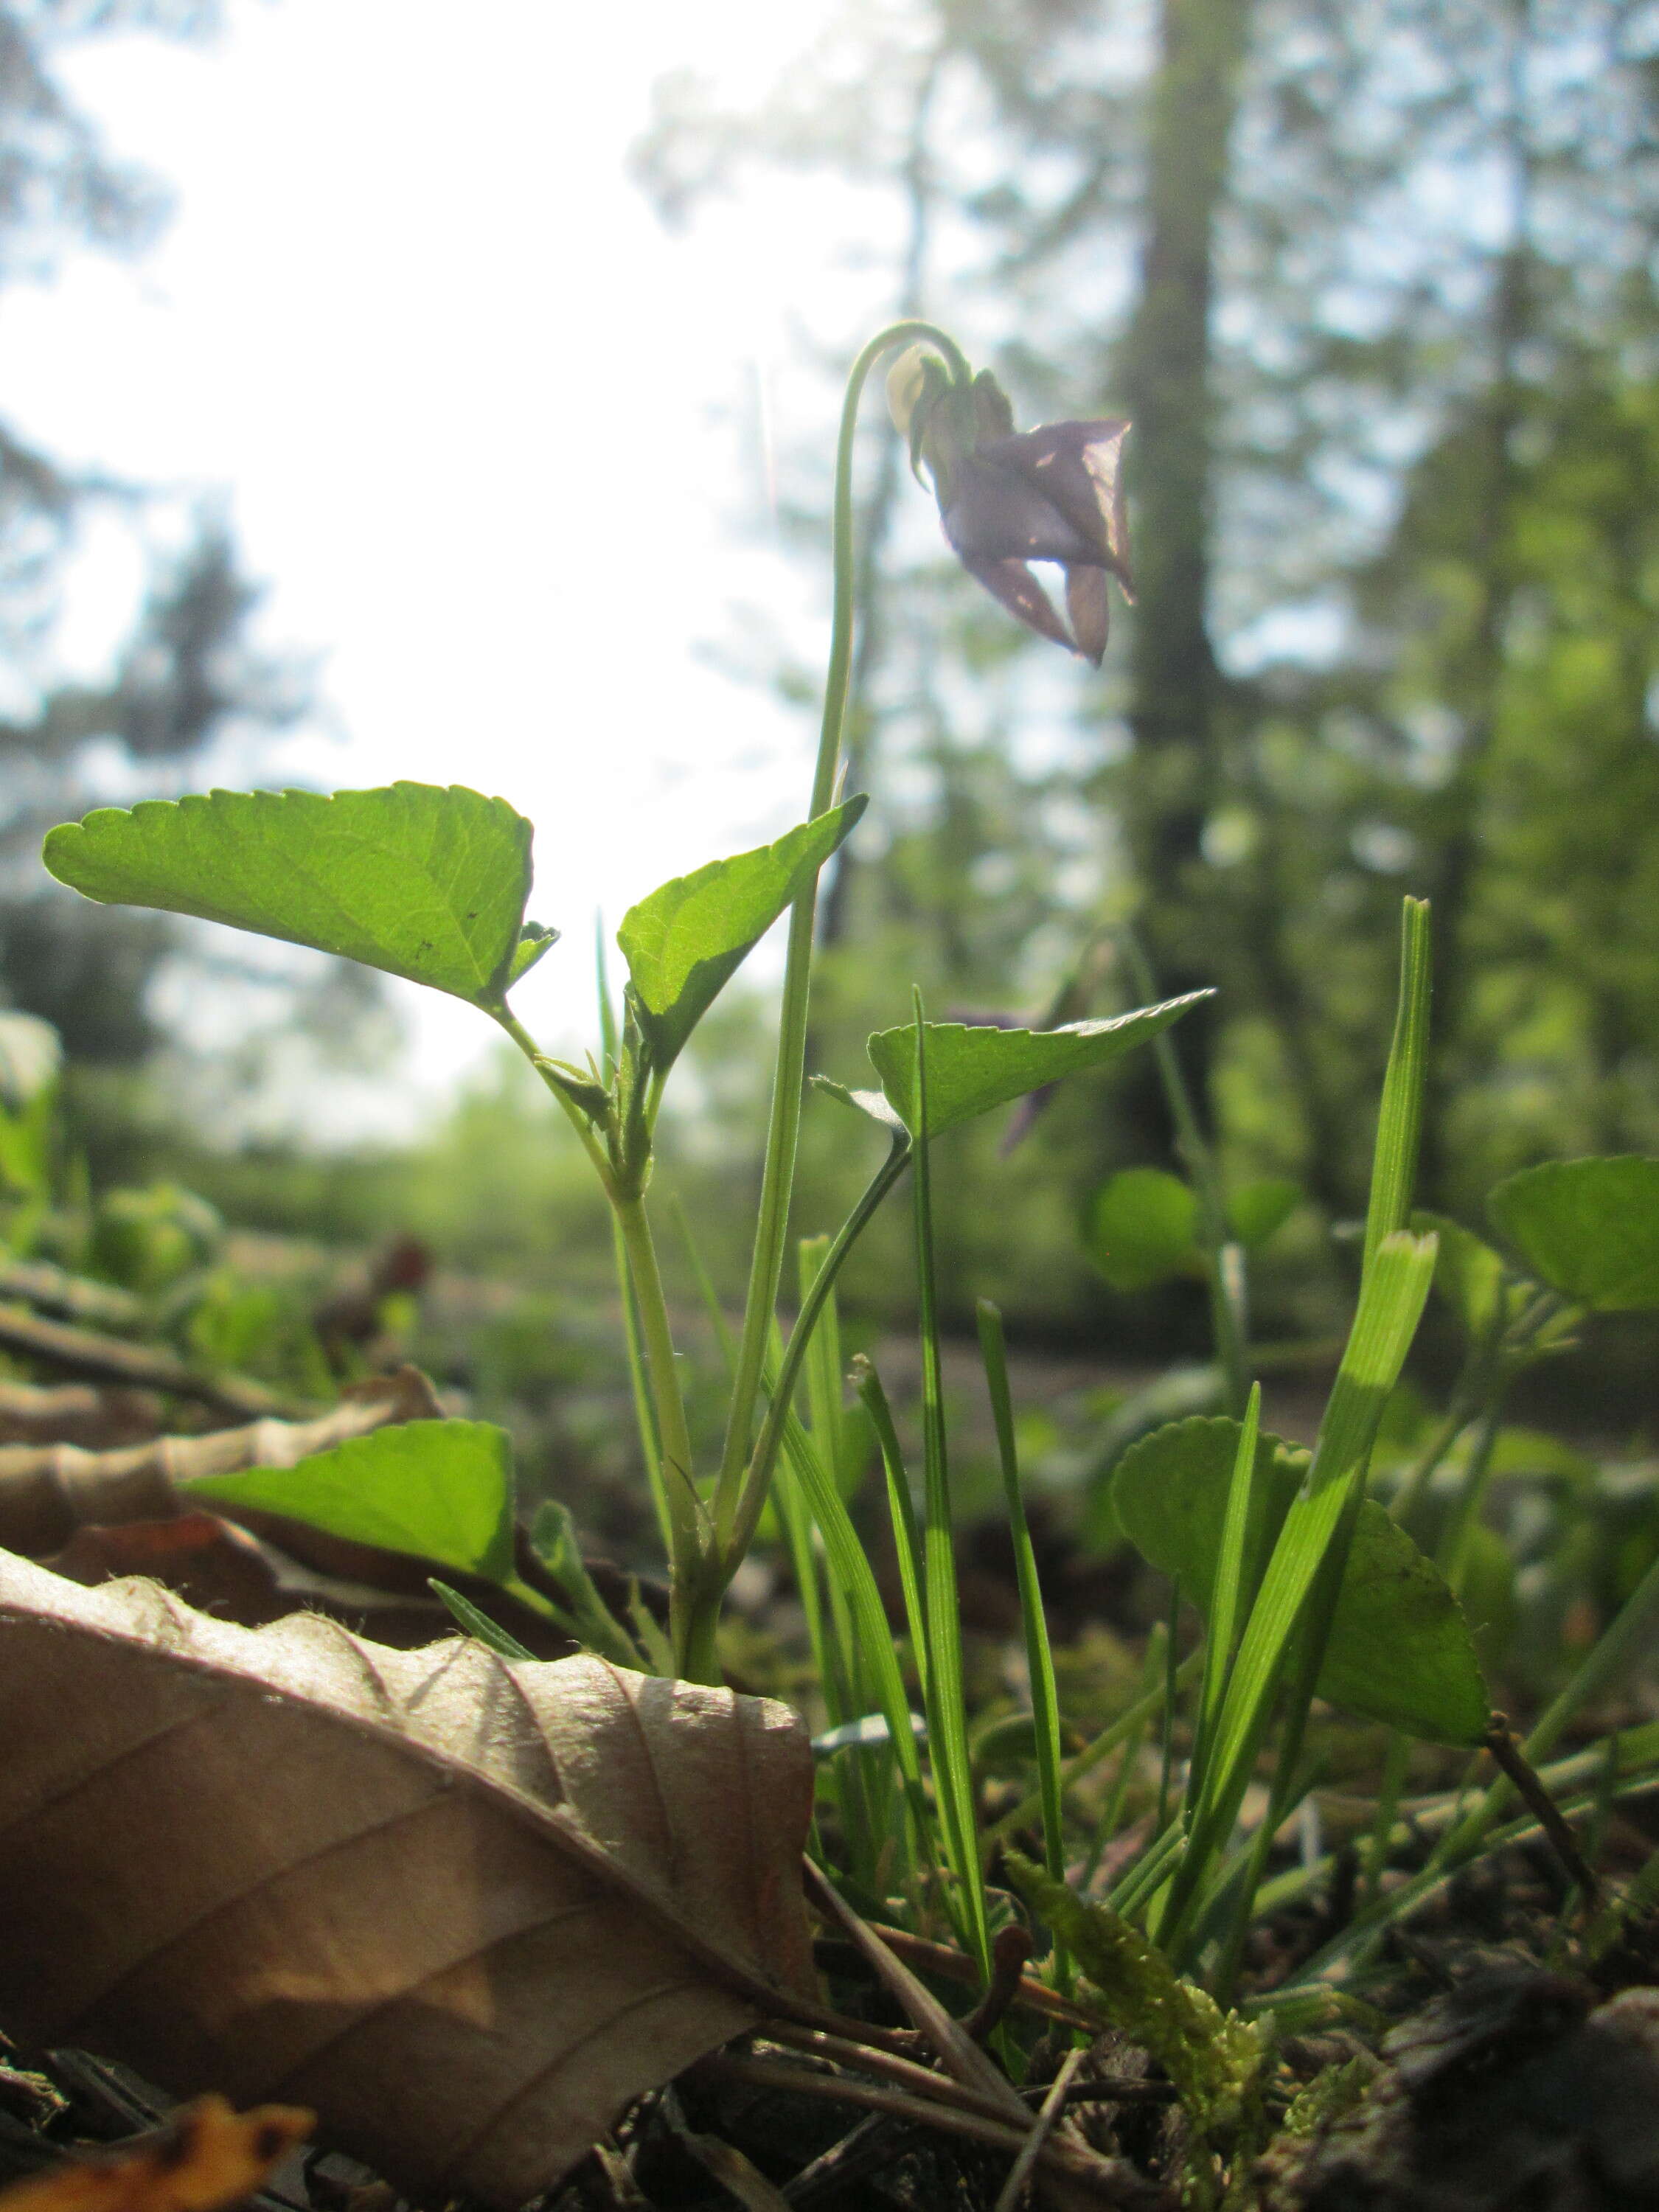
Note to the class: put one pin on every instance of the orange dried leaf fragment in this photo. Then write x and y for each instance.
(207, 2156)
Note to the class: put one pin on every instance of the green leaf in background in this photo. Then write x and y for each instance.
(684, 942)
(1259, 1210)
(1588, 1228)
(1467, 1274)
(421, 881)
(31, 1059)
(970, 1071)
(1139, 1228)
(1399, 1649)
(441, 1490)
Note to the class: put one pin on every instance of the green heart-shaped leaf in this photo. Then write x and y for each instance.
(1139, 1228)
(1400, 1649)
(441, 1490)
(1257, 1210)
(685, 942)
(413, 879)
(1588, 1228)
(970, 1071)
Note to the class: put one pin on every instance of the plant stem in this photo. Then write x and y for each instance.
(686, 1517)
(533, 1052)
(758, 1477)
(778, 1173)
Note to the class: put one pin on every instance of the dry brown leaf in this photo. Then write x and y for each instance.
(466, 1908)
(207, 2156)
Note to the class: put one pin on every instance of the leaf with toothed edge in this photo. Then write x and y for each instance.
(423, 882)
(972, 1071)
(684, 942)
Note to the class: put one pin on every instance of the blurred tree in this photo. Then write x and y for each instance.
(190, 670)
(1375, 283)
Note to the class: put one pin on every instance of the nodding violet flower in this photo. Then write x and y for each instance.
(1008, 497)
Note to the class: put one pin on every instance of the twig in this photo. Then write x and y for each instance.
(1110, 2178)
(962, 2056)
(48, 1491)
(868, 2145)
(1053, 2106)
(903, 2073)
(1502, 1742)
(951, 1965)
(109, 1359)
(38, 1283)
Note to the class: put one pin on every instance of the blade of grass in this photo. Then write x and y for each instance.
(1144, 1709)
(1390, 1304)
(845, 1651)
(473, 1621)
(947, 1714)
(1148, 1873)
(902, 1510)
(1224, 1600)
(1310, 1556)
(868, 1770)
(1039, 1658)
(1166, 1749)
(1111, 1818)
(1399, 1118)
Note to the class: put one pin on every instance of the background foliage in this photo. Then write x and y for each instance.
(1375, 282)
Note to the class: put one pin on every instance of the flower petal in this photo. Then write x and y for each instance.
(1012, 582)
(996, 513)
(1087, 605)
(1078, 469)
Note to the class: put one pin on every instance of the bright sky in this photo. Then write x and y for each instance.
(485, 427)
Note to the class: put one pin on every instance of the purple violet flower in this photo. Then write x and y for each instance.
(1007, 498)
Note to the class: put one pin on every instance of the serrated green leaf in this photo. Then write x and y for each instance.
(1139, 1228)
(1257, 1210)
(1588, 1228)
(440, 1490)
(684, 942)
(1399, 1649)
(972, 1071)
(413, 879)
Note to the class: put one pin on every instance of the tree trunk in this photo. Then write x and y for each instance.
(1175, 684)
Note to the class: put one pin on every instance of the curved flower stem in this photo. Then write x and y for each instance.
(758, 1475)
(778, 1173)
